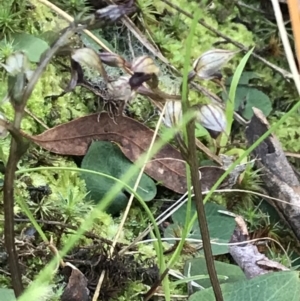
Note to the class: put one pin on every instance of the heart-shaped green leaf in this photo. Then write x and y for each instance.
(31, 45)
(220, 226)
(107, 158)
(277, 286)
(7, 294)
(197, 266)
(248, 96)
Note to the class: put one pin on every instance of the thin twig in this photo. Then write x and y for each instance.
(161, 218)
(286, 44)
(153, 288)
(283, 72)
(87, 234)
(70, 19)
(294, 10)
(36, 119)
(213, 242)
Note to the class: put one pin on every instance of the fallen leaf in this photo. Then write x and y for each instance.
(134, 138)
(210, 175)
(76, 289)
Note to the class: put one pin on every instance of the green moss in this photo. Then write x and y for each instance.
(44, 19)
(133, 291)
(288, 132)
(171, 39)
(66, 202)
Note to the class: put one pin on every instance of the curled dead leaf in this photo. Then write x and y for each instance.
(76, 289)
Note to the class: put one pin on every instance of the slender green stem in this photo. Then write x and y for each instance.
(17, 149)
(192, 161)
(8, 199)
(202, 220)
(190, 155)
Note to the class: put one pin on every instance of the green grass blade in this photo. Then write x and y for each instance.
(231, 101)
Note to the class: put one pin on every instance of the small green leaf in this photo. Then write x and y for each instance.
(220, 226)
(252, 98)
(31, 45)
(247, 96)
(200, 131)
(107, 158)
(89, 42)
(276, 286)
(244, 79)
(197, 266)
(7, 294)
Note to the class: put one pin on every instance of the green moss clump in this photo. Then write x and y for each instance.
(288, 132)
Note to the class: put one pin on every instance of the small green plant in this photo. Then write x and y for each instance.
(11, 17)
(254, 216)
(251, 181)
(147, 10)
(6, 49)
(73, 7)
(288, 133)
(72, 206)
(284, 259)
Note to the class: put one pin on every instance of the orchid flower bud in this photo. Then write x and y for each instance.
(144, 64)
(173, 113)
(112, 59)
(208, 65)
(211, 117)
(89, 58)
(18, 63)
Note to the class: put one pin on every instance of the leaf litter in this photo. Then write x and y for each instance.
(134, 138)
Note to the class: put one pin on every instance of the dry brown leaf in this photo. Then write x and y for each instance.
(210, 175)
(74, 138)
(76, 289)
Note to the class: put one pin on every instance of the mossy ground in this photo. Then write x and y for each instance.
(169, 31)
